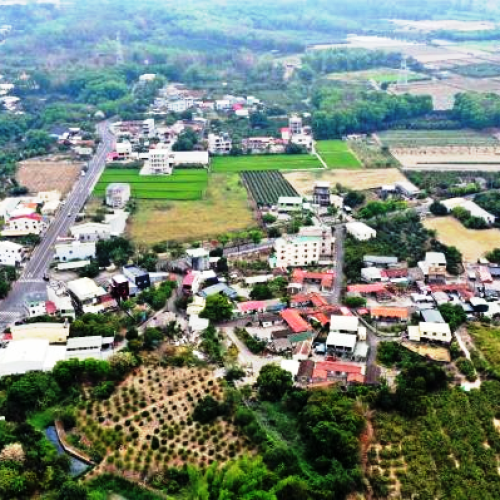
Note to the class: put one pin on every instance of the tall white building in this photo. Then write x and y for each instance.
(117, 195)
(297, 251)
(160, 161)
(11, 254)
(295, 124)
(219, 144)
(326, 235)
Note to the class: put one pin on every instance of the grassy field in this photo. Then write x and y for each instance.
(181, 185)
(429, 138)
(225, 208)
(487, 339)
(303, 182)
(337, 154)
(382, 75)
(264, 162)
(473, 244)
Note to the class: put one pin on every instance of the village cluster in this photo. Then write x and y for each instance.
(152, 143)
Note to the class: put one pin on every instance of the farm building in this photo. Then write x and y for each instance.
(360, 231)
(474, 209)
(407, 189)
(290, 204)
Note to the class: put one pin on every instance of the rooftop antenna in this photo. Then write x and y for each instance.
(120, 59)
(403, 72)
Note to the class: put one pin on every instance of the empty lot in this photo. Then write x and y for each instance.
(472, 244)
(48, 175)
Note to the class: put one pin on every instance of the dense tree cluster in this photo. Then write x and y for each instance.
(338, 113)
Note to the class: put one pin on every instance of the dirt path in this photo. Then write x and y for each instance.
(366, 441)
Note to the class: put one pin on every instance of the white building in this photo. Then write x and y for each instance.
(123, 150)
(360, 231)
(148, 127)
(304, 140)
(407, 189)
(430, 331)
(89, 297)
(91, 231)
(190, 158)
(474, 209)
(21, 356)
(290, 204)
(219, 144)
(23, 225)
(117, 194)
(347, 324)
(160, 162)
(75, 250)
(55, 333)
(295, 124)
(147, 77)
(297, 251)
(11, 254)
(326, 235)
(62, 302)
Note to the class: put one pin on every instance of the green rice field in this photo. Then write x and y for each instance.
(337, 154)
(181, 185)
(430, 138)
(264, 162)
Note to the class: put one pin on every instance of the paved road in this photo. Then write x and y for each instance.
(339, 263)
(31, 279)
(247, 358)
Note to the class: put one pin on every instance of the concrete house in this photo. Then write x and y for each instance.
(117, 195)
(219, 144)
(75, 250)
(91, 231)
(438, 332)
(11, 254)
(360, 231)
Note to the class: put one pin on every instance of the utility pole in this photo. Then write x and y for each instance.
(403, 73)
(120, 59)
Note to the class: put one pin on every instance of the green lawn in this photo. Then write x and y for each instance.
(264, 162)
(181, 185)
(337, 154)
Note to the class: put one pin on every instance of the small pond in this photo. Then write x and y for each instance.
(77, 466)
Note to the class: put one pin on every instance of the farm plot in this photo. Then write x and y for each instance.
(267, 187)
(383, 75)
(473, 244)
(264, 162)
(224, 208)
(48, 175)
(181, 185)
(437, 138)
(146, 425)
(303, 182)
(337, 154)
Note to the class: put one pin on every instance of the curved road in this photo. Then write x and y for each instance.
(31, 280)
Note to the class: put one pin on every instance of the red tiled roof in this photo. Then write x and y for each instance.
(356, 377)
(326, 278)
(389, 312)
(321, 317)
(322, 369)
(394, 273)
(50, 307)
(29, 216)
(188, 279)
(300, 298)
(318, 300)
(369, 288)
(295, 321)
(252, 305)
(345, 311)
